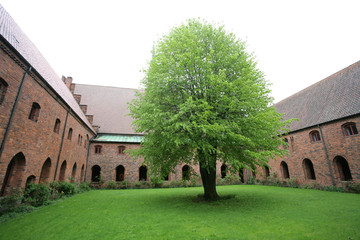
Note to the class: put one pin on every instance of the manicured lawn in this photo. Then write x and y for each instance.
(256, 212)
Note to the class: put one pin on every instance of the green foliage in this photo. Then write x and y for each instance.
(84, 187)
(205, 100)
(63, 188)
(230, 179)
(112, 185)
(353, 187)
(36, 194)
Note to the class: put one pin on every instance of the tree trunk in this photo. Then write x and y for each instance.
(208, 177)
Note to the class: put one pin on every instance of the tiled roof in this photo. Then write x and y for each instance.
(119, 138)
(109, 107)
(335, 97)
(18, 40)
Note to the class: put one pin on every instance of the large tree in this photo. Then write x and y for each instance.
(205, 101)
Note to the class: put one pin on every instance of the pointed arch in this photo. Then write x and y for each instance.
(14, 174)
(342, 168)
(223, 170)
(73, 173)
(45, 171)
(284, 170)
(120, 173)
(95, 173)
(142, 173)
(185, 172)
(82, 173)
(62, 171)
(309, 169)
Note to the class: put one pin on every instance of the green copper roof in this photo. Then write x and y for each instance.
(118, 138)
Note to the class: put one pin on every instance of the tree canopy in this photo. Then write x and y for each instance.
(205, 101)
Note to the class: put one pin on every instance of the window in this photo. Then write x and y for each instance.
(3, 89)
(286, 143)
(308, 169)
(121, 149)
(79, 139)
(143, 173)
(95, 173)
(98, 149)
(57, 126)
(70, 134)
(120, 173)
(86, 141)
(35, 111)
(266, 171)
(349, 129)
(315, 136)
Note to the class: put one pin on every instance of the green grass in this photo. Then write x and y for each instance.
(256, 212)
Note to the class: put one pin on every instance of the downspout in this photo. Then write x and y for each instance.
(87, 158)
(62, 142)
(13, 112)
(327, 156)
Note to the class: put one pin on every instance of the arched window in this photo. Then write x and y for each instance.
(284, 170)
(70, 134)
(241, 174)
(34, 112)
(57, 126)
(82, 173)
(14, 174)
(98, 149)
(3, 89)
(314, 136)
(223, 170)
(45, 171)
(266, 171)
(121, 149)
(79, 139)
(143, 173)
(286, 143)
(342, 168)
(308, 169)
(349, 129)
(62, 171)
(186, 172)
(120, 173)
(86, 141)
(95, 173)
(73, 173)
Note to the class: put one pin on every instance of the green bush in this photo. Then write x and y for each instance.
(353, 187)
(112, 185)
(36, 194)
(63, 188)
(84, 187)
(333, 189)
(11, 203)
(124, 184)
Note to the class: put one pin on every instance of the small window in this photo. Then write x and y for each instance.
(315, 136)
(35, 111)
(70, 134)
(121, 149)
(98, 149)
(286, 143)
(349, 129)
(3, 89)
(86, 141)
(57, 126)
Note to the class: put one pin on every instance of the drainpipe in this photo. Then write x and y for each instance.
(327, 156)
(87, 157)
(13, 111)
(62, 142)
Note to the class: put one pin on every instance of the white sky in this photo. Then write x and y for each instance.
(296, 43)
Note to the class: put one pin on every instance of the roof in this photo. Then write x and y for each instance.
(109, 107)
(12, 33)
(118, 138)
(335, 97)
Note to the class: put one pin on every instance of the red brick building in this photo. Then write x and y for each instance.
(53, 129)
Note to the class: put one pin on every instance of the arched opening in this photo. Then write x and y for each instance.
(73, 173)
(241, 175)
(223, 170)
(45, 171)
(95, 173)
(266, 171)
(342, 168)
(284, 170)
(34, 112)
(186, 172)
(314, 136)
(3, 89)
(62, 171)
(70, 134)
(143, 173)
(120, 173)
(82, 173)
(14, 174)
(30, 179)
(57, 126)
(308, 169)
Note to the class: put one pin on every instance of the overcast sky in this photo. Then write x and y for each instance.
(108, 42)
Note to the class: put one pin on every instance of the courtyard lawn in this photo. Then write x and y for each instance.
(256, 212)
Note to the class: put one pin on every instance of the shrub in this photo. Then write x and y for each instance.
(112, 185)
(11, 203)
(352, 187)
(333, 189)
(63, 188)
(124, 184)
(36, 194)
(84, 187)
